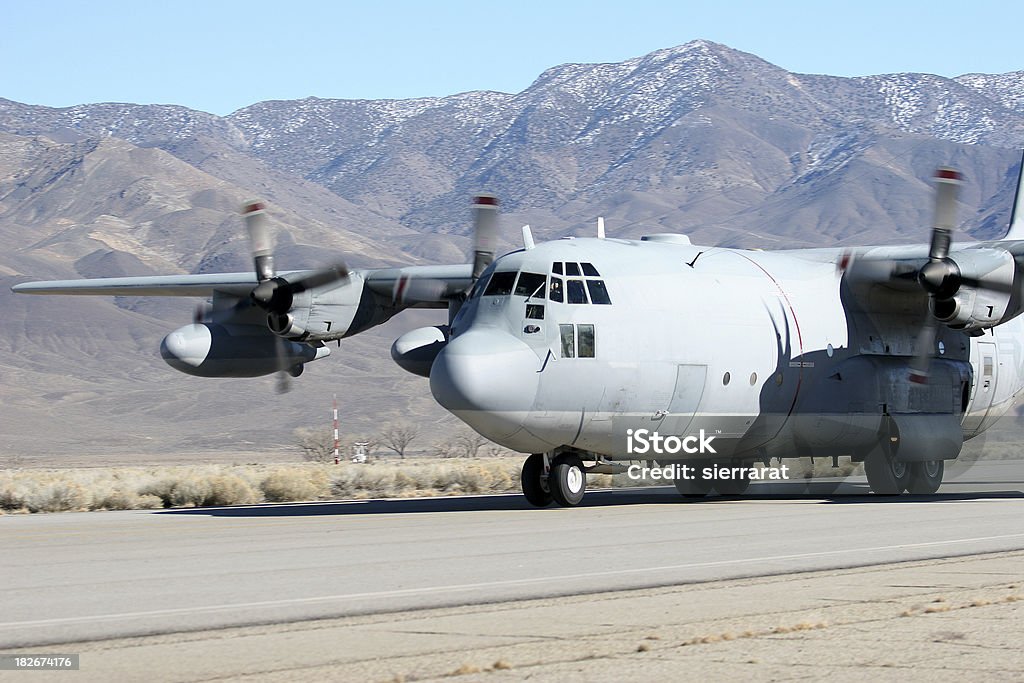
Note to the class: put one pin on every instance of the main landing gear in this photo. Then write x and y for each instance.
(561, 478)
(888, 476)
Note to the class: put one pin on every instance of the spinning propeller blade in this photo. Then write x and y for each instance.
(275, 294)
(940, 276)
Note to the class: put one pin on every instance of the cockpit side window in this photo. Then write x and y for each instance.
(556, 267)
(589, 270)
(585, 341)
(501, 284)
(556, 290)
(531, 285)
(568, 336)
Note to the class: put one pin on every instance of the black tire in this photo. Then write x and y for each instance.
(567, 480)
(532, 480)
(697, 487)
(887, 476)
(925, 477)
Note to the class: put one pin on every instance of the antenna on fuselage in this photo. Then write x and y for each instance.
(528, 237)
(600, 227)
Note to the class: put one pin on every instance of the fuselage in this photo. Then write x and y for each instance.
(579, 342)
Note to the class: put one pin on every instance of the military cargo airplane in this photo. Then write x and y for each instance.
(570, 349)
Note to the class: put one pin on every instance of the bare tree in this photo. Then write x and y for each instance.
(494, 450)
(317, 444)
(469, 444)
(444, 449)
(398, 437)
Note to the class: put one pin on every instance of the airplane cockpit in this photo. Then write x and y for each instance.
(516, 295)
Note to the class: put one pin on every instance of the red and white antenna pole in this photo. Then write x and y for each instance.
(337, 459)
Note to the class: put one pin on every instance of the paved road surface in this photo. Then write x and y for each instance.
(91, 576)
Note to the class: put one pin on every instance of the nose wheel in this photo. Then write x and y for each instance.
(565, 481)
(534, 481)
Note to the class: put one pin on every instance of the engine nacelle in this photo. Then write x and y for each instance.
(285, 326)
(416, 350)
(211, 350)
(983, 300)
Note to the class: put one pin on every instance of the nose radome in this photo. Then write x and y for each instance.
(488, 378)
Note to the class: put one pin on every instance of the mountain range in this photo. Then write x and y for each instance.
(699, 138)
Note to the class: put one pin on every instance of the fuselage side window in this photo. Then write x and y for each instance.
(585, 341)
(568, 334)
(531, 285)
(556, 290)
(501, 284)
(598, 292)
(576, 291)
(572, 268)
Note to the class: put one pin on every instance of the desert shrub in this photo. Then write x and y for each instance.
(292, 484)
(403, 481)
(115, 499)
(148, 502)
(190, 490)
(160, 488)
(12, 496)
(230, 489)
(58, 496)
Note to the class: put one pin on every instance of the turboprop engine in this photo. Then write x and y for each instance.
(972, 290)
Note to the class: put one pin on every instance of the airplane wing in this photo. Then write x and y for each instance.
(238, 284)
(412, 285)
(421, 285)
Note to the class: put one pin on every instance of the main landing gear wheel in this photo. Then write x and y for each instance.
(925, 477)
(534, 483)
(697, 487)
(567, 480)
(887, 476)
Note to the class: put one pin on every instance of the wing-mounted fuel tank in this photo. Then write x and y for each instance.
(416, 350)
(208, 349)
(869, 400)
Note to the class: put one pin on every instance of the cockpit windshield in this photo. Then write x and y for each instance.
(531, 285)
(584, 288)
(501, 284)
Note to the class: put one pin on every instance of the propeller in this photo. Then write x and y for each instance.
(485, 232)
(485, 245)
(940, 277)
(274, 294)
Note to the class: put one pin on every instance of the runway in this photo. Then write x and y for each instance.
(87, 576)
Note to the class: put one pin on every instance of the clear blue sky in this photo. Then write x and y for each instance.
(221, 56)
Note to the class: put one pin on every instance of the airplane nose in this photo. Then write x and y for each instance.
(488, 378)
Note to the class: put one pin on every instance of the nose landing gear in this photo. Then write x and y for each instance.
(562, 479)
